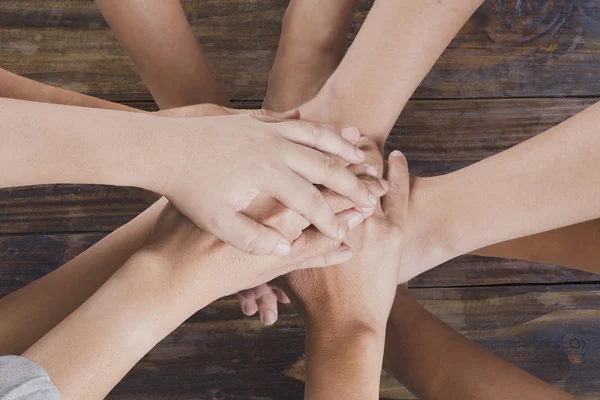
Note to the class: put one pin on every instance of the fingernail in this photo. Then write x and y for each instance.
(371, 170)
(269, 318)
(355, 221)
(283, 248)
(341, 232)
(372, 198)
(384, 184)
(341, 256)
(351, 134)
(396, 153)
(367, 212)
(247, 309)
(360, 154)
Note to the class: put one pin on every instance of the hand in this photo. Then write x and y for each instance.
(248, 156)
(207, 268)
(362, 290)
(263, 299)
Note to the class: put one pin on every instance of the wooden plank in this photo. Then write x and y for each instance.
(438, 137)
(550, 331)
(508, 48)
(26, 258)
(61, 208)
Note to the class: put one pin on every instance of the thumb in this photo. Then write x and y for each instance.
(315, 250)
(395, 202)
(265, 115)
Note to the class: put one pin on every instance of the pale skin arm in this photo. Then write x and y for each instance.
(396, 47)
(545, 183)
(162, 45)
(80, 278)
(414, 341)
(128, 149)
(337, 101)
(87, 353)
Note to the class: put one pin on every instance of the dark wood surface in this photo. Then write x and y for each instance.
(514, 70)
(510, 48)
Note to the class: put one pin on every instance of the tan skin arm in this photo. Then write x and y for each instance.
(162, 45)
(576, 246)
(13, 86)
(414, 341)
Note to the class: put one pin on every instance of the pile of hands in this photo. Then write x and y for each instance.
(274, 208)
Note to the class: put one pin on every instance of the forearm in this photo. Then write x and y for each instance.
(574, 246)
(41, 305)
(343, 362)
(93, 348)
(314, 39)
(547, 182)
(394, 50)
(162, 45)
(13, 86)
(429, 358)
(47, 144)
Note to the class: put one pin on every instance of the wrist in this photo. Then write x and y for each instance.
(328, 326)
(430, 241)
(169, 283)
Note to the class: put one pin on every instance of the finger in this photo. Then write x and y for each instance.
(395, 203)
(312, 249)
(247, 300)
(305, 199)
(339, 203)
(321, 169)
(265, 115)
(267, 306)
(291, 224)
(373, 164)
(247, 235)
(324, 138)
(282, 297)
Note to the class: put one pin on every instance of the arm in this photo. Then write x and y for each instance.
(80, 278)
(162, 45)
(414, 341)
(314, 39)
(574, 246)
(544, 183)
(346, 307)
(153, 293)
(14, 86)
(128, 149)
(394, 50)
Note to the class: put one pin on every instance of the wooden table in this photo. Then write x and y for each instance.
(515, 69)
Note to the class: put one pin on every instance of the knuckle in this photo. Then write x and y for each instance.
(315, 201)
(330, 166)
(313, 133)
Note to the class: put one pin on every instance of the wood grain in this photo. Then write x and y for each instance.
(508, 48)
(26, 258)
(550, 331)
(437, 136)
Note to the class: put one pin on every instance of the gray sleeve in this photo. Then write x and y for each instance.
(21, 379)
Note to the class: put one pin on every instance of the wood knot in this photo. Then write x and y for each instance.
(575, 346)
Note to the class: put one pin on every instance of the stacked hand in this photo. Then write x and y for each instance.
(255, 157)
(345, 293)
